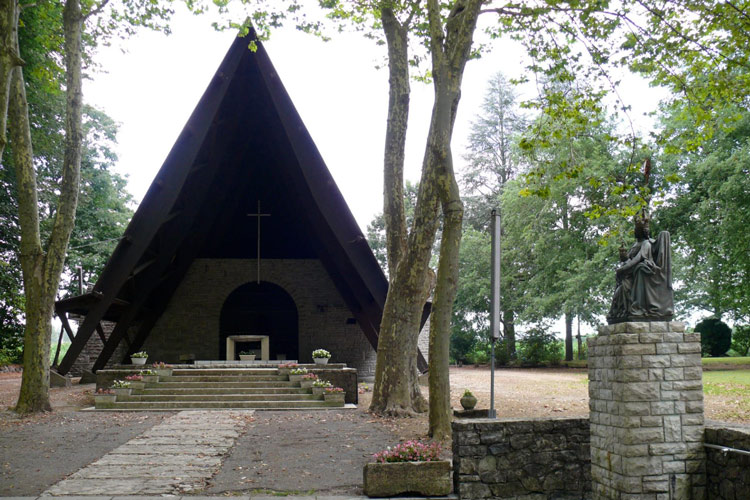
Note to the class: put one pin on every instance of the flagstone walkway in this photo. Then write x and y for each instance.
(176, 456)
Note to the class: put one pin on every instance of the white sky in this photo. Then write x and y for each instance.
(342, 98)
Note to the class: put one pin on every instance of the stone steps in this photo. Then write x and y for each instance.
(181, 405)
(252, 388)
(221, 397)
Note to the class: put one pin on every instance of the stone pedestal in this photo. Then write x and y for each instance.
(646, 412)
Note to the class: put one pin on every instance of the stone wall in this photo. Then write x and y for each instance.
(531, 459)
(728, 472)
(646, 409)
(190, 324)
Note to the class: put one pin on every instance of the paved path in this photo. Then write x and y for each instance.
(176, 456)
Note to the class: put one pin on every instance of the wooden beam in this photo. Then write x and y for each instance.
(66, 325)
(100, 331)
(158, 201)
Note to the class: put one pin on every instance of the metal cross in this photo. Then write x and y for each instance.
(258, 215)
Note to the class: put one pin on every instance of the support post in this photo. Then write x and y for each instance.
(495, 303)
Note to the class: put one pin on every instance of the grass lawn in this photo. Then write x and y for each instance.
(727, 382)
(726, 361)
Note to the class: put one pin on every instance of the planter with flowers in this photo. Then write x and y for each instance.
(149, 376)
(334, 395)
(247, 356)
(412, 467)
(104, 398)
(139, 358)
(321, 356)
(121, 388)
(286, 368)
(307, 380)
(468, 400)
(319, 387)
(295, 374)
(136, 382)
(162, 369)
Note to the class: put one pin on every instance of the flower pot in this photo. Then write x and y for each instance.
(395, 478)
(247, 357)
(122, 391)
(318, 391)
(468, 402)
(295, 378)
(306, 383)
(163, 372)
(137, 386)
(321, 361)
(150, 379)
(138, 361)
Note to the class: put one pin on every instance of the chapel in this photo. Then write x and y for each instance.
(243, 235)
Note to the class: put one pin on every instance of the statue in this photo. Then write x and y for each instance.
(643, 290)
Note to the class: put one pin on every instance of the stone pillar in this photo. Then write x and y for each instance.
(646, 412)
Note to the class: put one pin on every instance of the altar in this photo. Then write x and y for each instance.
(233, 339)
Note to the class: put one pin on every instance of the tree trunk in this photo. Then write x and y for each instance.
(42, 271)
(568, 337)
(509, 330)
(9, 59)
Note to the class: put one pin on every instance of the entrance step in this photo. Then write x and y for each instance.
(216, 388)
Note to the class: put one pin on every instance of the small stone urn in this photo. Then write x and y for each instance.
(468, 400)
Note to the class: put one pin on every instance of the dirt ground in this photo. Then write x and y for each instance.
(281, 451)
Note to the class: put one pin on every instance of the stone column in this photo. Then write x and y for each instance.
(646, 412)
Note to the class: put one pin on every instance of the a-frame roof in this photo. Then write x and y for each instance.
(244, 119)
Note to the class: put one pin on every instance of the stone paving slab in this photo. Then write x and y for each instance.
(177, 456)
(197, 497)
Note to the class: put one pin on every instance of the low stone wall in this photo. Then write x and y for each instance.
(530, 459)
(728, 473)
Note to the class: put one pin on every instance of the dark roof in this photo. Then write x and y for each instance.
(243, 142)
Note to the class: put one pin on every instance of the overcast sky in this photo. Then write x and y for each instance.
(342, 98)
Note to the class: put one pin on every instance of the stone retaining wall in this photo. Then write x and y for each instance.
(530, 459)
(728, 473)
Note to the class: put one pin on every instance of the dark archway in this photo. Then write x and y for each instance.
(261, 309)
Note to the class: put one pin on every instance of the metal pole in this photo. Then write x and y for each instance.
(80, 280)
(495, 304)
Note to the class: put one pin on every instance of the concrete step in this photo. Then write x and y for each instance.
(225, 371)
(224, 378)
(226, 390)
(180, 405)
(219, 397)
(199, 385)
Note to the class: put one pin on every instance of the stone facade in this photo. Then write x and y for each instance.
(728, 472)
(646, 408)
(190, 323)
(521, 459)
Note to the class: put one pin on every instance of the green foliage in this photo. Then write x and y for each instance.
(716, 336)
(538, 347)
(741, 339)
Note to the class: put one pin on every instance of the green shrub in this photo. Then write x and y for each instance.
(11, 355)
(741, 340)
(716, 336)
(538, 347)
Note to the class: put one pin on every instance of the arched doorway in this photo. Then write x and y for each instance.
(260, 309)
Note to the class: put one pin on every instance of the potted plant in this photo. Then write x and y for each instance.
(411, 467)
(104, 398)
(468, 400)
(247, 356)
(321, 356)
(334, 395)
(295, 374)
(136, 382)
(149, 376)
(319, 387)
(285, 368)
(307, 380)
(162, 369)
(139, 358)
(121, 388)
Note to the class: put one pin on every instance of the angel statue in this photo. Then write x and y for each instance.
(643, 289)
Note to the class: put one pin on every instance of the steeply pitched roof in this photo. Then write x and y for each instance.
(244, 134)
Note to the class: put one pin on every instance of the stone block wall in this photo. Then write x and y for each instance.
(728, 472)
(190, 323)
(646, 410)
(93, 347)
(532, 459)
